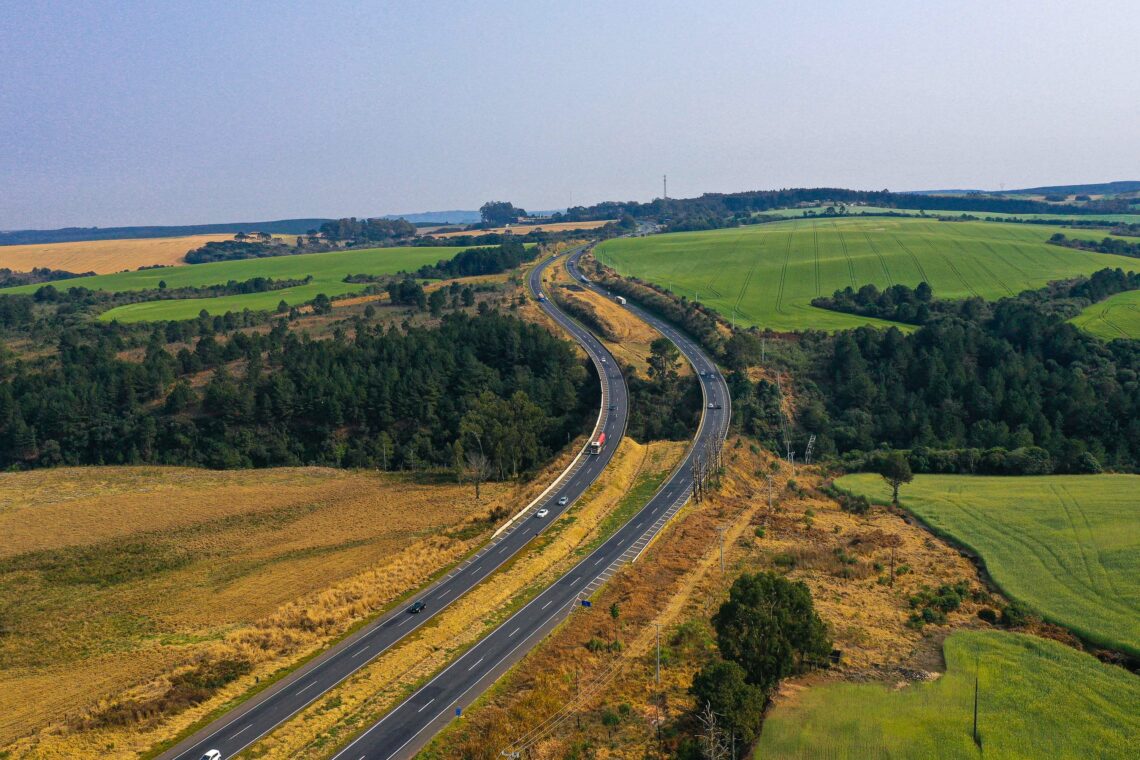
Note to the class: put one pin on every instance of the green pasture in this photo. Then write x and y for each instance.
(1115, 317)
(767, 275)
(793, 213)
(1066, 545)
(1036, 699)
(328, 271)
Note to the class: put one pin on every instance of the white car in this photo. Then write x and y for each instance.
(542, 513)
(563, 501)
(212, 755)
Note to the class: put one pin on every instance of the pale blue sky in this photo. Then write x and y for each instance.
(192, 112)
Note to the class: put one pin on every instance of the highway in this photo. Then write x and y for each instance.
(410, 725)
(241, 727)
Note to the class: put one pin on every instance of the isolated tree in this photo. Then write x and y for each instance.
(664, 361)
(322, 304)
(738, 705)
(770, 628)
(478, 469)
(896, 471)
(162, 284)
(615, 614)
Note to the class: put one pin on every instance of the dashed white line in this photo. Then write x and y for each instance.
(548, 604)
(302, 691)
(236, 735)
(512, 633)
(473, 666)
(426, 704)
(362, 649)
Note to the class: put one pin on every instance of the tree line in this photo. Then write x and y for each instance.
(480, 261)
(1107, 245)
(422, 399)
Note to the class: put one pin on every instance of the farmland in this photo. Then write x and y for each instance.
(1115, 317)
(328, 271)
(767, 275)
(103, 256)
(793, 213)
(1066, 545)
(1037, 698)
(113, 578)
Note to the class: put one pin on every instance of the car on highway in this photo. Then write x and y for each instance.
(563, 501)
(417, 608)
(212, 755)
(542, 512)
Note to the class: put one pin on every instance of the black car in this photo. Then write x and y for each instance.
(417, 607)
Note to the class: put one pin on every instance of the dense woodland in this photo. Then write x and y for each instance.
(480, 261)
(489, 392)
(11, 279)
(1004, 388)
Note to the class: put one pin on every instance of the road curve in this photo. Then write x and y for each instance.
(411, 724)
(241, 727)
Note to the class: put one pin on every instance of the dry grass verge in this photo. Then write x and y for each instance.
(678, 585)
(375, 689)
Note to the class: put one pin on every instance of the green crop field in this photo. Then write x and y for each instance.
(1036, 698)
(1066, 545)
(328, 271)
(792, 213)
(768, 274)
(1114, 317)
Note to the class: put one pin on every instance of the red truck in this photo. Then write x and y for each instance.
(597, 445)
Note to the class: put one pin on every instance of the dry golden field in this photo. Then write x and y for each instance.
(115, 582)
(522, 229)
(103, 256)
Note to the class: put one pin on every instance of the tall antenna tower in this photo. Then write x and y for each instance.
(665, 187)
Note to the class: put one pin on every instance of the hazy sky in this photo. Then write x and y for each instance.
(161, 112)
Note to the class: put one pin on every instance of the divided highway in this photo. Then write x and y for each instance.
(243, 726)
(410, 725)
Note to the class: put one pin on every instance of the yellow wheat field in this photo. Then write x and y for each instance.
(522, 229)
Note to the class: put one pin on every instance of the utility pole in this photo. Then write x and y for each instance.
(721, 531)
(665, 187)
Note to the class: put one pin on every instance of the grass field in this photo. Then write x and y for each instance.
(328, 271)
(103, 256)
(1037, 699)
(522, 229)
(1114, 317)
(112, 578)
(1066, 545)
(768, 274)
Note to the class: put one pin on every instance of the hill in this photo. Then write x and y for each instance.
(1100, 188)
(767, 275)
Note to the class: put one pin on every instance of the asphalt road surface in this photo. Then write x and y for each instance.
(243, 726)
(409, 726)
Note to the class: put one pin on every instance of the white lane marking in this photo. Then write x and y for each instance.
(403, 621)
(512, 633)
(576, 579)
(236, 735)
(599, 561)
(426, 704)
(445, 593)
(302, 691)
(473, 666)
(501, 550)
(361, 651)
(547, 604)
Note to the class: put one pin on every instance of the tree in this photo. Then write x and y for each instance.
(498, 213)
(436, 301)
(468, 296)
(896, 471)
(162, 284)
(739, 706)
(615, 613)
(322, 304)
(664, 361)
(478, 469)
(770, 628)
